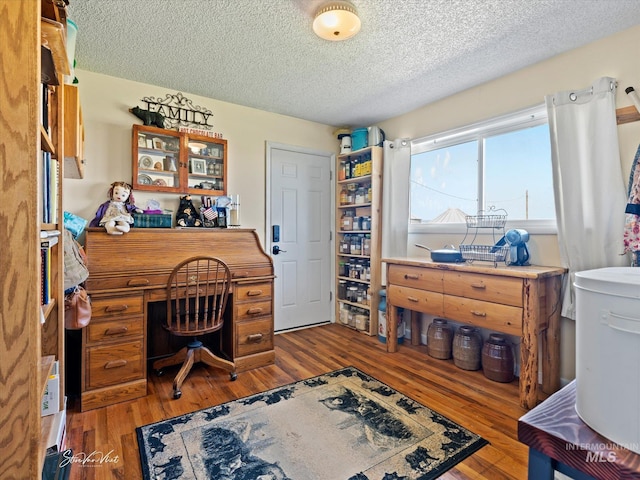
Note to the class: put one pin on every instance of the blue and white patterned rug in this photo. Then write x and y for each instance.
(344, 425)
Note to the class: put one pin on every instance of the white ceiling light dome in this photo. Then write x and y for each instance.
(336, 21)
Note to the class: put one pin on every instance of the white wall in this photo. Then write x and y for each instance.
(615, 56)
(108, 130)
(106, 100)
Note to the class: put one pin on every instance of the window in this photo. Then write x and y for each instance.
(501, 164)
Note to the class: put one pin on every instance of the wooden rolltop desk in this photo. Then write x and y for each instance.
(127, 280)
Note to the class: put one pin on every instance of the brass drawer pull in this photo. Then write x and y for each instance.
(478, 314)
(138, 282)
(117, 330)
(240, 274)
(480, 286)
(412, 276)
(254, 311)
(116, 308)
(413, 299)
(254, 293)
(256, 337)
(115, 364)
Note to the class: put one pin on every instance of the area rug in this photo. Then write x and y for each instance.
(344, 425)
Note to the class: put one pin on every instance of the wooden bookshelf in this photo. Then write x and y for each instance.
(32, 333)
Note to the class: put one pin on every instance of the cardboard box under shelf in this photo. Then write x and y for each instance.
(155, 220)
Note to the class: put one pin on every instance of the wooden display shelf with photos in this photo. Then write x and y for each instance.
(178, 162)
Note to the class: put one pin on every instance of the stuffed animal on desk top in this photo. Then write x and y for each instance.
(115, 214)
(187, 215)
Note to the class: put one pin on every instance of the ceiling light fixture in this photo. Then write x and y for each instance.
(336, 21)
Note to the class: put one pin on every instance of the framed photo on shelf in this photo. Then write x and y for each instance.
(214, 151)
(198, 166)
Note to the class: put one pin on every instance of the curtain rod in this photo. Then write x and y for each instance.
(627, 115)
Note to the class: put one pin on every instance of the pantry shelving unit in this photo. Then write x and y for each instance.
(358, 238)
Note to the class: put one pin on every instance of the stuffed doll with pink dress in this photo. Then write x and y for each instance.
(115, 214)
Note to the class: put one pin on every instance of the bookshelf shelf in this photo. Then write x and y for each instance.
(45, 141)
(48, 308)
(46, 366)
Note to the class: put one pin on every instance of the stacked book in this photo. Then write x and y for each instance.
(50, 188)
(48, 238)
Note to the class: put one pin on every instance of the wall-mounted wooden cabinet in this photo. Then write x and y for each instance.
(177, 162)
(73, 133)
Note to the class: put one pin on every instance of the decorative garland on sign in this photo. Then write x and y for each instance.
(178, 110)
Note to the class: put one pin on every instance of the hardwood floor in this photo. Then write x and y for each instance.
(485, 407)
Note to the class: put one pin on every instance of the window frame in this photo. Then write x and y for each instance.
(529, 117)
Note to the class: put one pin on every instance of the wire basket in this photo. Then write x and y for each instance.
(484, 253)
(486, 221)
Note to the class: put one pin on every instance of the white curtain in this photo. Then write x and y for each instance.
(587, 178)
(395, 197)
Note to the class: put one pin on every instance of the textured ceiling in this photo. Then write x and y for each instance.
(263, 53)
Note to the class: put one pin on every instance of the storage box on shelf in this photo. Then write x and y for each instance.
(358, 217)
(178, 162)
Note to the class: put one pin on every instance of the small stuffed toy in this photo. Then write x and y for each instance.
(115, 214)
(187, 215)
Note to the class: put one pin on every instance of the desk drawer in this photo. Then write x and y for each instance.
(252, 292)
(415, 277)
(117, 305)
(490, 288)
(250, 310)
(239, 272)
(100, 330)
(114, 363)
(500, 318)
(415, 299)
(254, 336)
(128, 281)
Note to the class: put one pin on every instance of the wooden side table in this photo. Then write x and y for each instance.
(560, 441)
(522, 301)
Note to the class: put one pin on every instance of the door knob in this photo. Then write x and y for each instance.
(276, 250)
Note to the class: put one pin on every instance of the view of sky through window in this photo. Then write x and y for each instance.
(445, 182)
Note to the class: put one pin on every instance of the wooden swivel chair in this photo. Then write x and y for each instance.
(197, 292)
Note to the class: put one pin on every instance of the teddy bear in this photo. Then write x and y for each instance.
(115, 214)
(187, 215)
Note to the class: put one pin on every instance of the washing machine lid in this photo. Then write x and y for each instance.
(619, 281)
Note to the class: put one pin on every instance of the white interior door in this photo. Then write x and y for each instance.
(300, 205)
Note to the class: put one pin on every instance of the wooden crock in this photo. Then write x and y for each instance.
(498, 359)
(467, 348)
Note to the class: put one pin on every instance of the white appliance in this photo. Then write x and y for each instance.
(345, 143)
(608, 353)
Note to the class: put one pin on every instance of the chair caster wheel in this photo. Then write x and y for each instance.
(233, 376)
(177, 394)
(159, 373)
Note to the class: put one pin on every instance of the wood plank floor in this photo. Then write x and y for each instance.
(487, 408)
